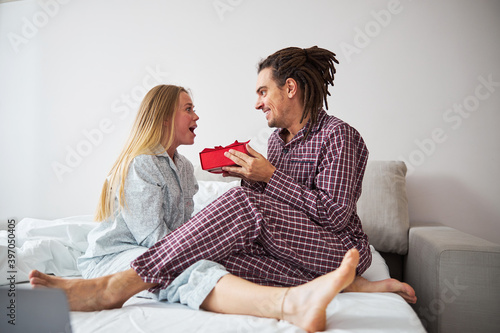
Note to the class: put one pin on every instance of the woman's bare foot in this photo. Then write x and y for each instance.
(361, 284)
(305, 305)
(106, 292)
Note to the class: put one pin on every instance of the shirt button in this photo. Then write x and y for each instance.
(285, 150)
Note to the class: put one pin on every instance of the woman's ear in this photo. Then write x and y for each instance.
(165, 123)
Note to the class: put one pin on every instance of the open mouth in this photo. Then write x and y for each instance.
(192, 128)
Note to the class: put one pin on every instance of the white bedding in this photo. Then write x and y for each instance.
(53, 247)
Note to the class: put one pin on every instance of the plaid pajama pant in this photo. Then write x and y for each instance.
(255, 237)
(285, 233)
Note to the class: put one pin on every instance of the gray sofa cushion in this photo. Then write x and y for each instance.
(383, 206)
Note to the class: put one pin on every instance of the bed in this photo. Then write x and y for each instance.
(52, 246)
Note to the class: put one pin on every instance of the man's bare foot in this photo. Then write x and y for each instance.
(361, 284)
(305, 305)
(106, 292)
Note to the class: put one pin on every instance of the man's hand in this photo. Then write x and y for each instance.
(254, 166)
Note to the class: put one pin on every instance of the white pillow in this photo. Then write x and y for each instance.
(378, 270)
(48, 246)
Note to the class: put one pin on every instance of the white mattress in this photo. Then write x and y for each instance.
(53, 247)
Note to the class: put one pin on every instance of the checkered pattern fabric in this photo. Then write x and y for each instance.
(286, 232)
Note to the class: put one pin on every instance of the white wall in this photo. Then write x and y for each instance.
(411, 80)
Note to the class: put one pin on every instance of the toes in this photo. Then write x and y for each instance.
(409, 290)
(408, 293)
(352, 254)
(351, 258)
(34, 273)
(409, 299)
(37, 282)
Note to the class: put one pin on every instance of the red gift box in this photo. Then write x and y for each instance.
(213, 159)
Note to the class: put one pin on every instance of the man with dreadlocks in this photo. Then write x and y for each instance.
(316, 162)
(284, 243)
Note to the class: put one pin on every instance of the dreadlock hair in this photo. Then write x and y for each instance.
(312, 68)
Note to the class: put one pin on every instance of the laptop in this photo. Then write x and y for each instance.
(27, 310)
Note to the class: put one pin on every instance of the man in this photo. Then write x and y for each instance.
(290, 224)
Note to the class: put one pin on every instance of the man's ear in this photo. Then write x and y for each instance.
(291, 87)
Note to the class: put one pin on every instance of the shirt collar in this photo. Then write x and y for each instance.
(300, 134)
(160, 151)
(176, 163)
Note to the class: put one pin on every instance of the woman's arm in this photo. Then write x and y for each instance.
(144, 199)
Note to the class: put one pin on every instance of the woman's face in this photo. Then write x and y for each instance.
(185, 121)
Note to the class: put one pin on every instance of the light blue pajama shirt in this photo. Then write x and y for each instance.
(158, 199)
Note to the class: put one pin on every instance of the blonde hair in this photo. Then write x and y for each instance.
(159, 104)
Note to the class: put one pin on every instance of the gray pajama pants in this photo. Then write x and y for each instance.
(190, 288)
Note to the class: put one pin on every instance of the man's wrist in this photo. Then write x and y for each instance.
(271, 175)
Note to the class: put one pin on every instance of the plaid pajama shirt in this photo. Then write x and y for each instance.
(283, 233)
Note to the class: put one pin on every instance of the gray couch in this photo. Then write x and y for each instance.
(456, 276)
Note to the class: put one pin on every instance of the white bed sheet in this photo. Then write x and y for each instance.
(348, 312)
(52, 246)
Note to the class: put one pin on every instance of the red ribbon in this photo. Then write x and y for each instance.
(236, 143)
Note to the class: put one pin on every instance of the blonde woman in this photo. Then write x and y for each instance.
(149, 193)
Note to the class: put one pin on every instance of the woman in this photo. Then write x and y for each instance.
(149, 193)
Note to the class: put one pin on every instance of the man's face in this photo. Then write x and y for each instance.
(271, 99)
